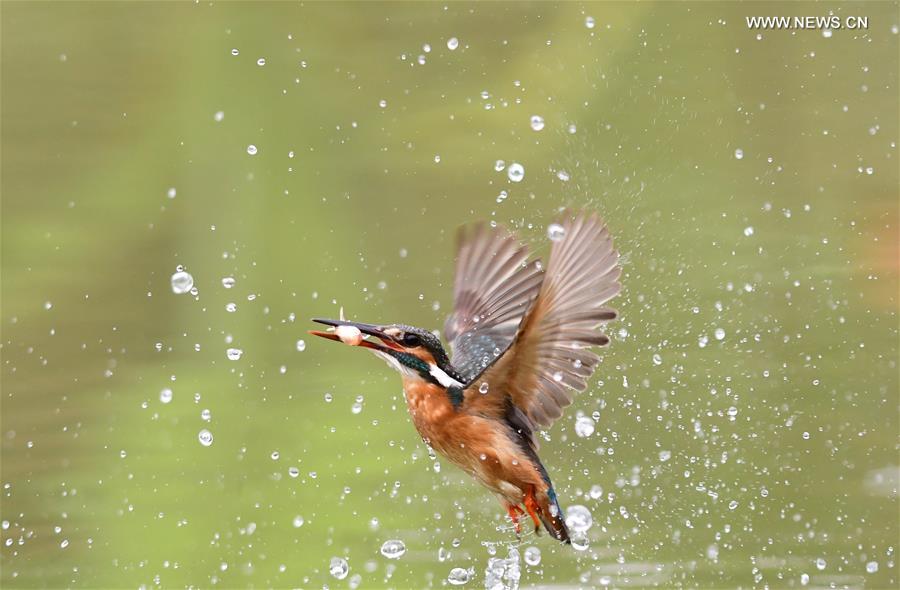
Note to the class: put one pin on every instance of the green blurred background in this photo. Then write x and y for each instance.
(748, 405)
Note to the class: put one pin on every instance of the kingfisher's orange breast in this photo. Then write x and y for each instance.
(428, 406)
(478, 445)
(459, 436)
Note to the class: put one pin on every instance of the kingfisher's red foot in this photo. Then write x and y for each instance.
(514, 514)
(533, 508)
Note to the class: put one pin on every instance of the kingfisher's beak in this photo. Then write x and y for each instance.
(368, 329)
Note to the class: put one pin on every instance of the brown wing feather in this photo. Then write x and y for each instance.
(549, 358)
(494, 287)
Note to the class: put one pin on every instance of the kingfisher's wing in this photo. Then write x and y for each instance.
(550, 357)
(494, 287)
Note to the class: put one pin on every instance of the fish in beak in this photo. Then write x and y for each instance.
(356, 334)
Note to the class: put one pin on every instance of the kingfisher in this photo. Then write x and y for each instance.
(520, 339)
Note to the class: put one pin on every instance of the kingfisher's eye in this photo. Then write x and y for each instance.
(410, 339)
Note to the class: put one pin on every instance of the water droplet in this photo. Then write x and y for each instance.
(356, 408)
(719, 334)
(301, 345)
(205, 415)
(739, 154)
(251, 149)
(579, 541)
(64, 543)
(393, 549)
(499, 165)
(338, 568)
(532, 556)
(562, 175)
(820, 564)
(181, 282)
(235, 52)
(748, 231)
(382, 103)
(483, 388)
(452, 43)
(872, 567)
(231, 307)
(584, 426)
(261, 61)
(171, 193)
(665, 456)
(537, 122)
(458, 576)
(234, 354)
(804, 579)
(589, 22)
(165, 396)
(228, 282)
(657, 359)
(219, 116)
(298, 521)
(275, 455)
(578, 518)
(294, 472)
(826, 33)
(515, 172)
(732, 505)
(558, 376)
(556, 232)
(205, 437)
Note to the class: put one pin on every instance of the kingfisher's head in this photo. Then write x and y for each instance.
(415, 352)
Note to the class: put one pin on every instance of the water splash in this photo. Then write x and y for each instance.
(503, 574)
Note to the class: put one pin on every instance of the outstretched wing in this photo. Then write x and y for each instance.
(550, 358)
(495, 285)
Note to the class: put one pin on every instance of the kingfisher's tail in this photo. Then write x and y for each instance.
(553, 518)
(545, 510)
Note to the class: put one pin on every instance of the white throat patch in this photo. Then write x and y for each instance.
(442, 377)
